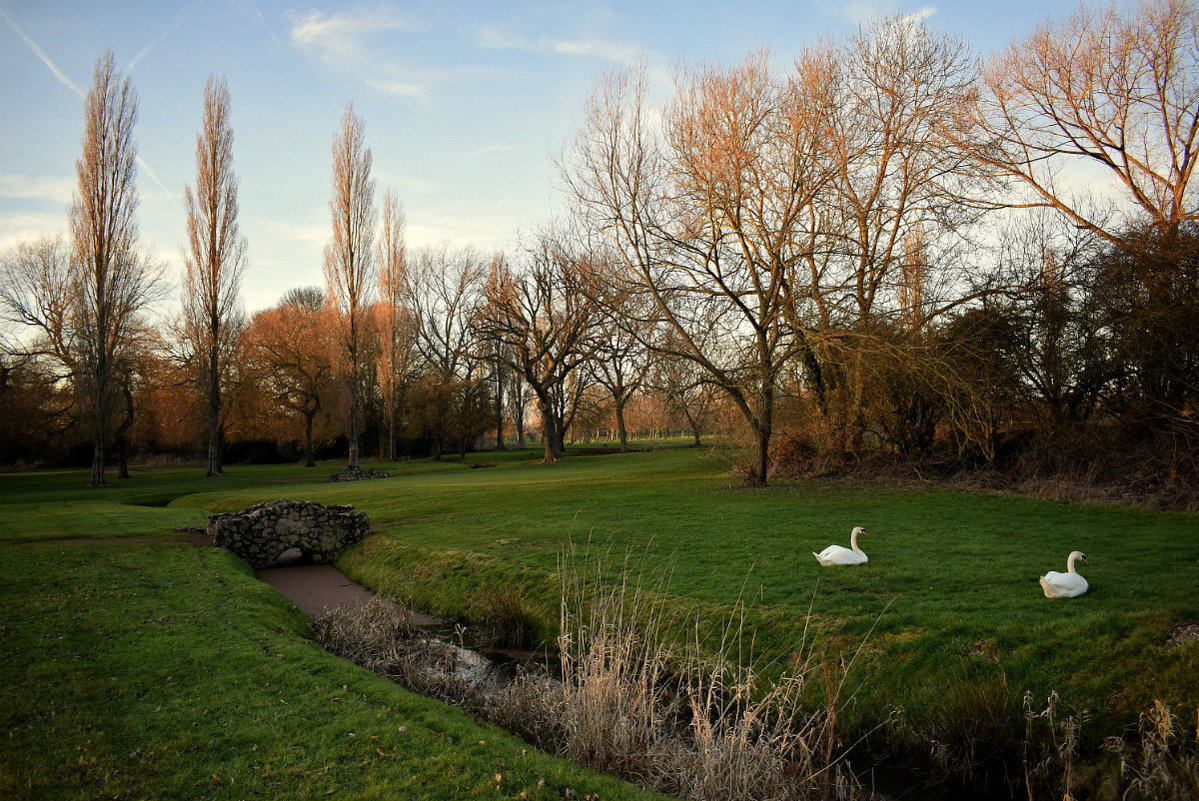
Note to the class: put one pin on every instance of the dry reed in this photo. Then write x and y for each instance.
(642, 696)
(1164, 762)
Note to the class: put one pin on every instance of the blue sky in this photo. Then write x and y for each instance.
(465, 103)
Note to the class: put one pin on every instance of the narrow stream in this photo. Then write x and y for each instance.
(319, 589)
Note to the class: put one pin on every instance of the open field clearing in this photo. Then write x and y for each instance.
(152, 663)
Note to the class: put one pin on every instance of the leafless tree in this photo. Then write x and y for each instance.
(443, 290)
(620, 363)
(35, 292)
(708, 213)
(686, 388)
(1115, 94)
(349, 256)
(214, 260)
(1108, 89)
(896, 89)
(394, 320)
(113, 280)
(545, 319)
(516, 397)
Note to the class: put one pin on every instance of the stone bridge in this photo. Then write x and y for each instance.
(264, 533)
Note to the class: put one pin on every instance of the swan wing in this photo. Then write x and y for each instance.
(838, 555)
(1063, 585)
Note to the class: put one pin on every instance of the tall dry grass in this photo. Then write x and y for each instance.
(1162, 762)
(685, 711)
(381, 637)
(643, 694)
(646, 694)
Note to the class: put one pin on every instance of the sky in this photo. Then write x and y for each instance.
(466, 105)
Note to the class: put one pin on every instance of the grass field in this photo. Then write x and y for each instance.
(958, 627)
(140, 667)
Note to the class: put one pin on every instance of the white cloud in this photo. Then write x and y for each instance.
(37, 187)
(342, 34)
(615, 52)
(495, 37)
(394, 87)
(343, 42)
(922, 14)
(859, 11)
(25, 227)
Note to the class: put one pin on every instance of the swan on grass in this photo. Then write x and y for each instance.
(1068, 584)
(840, 555)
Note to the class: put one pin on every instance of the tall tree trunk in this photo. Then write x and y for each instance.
(499, 408)
(519, 420)
(760, 467)
(121, 440)
(214, 428)
(691, 424)
(353, 432)
(391, 432)
(100, 421)
(550, 436)
(620, 426)
(353, 435)
(97, 479)
(308, 460)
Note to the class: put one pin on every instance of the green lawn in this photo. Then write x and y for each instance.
(950, 589)
(147, 668)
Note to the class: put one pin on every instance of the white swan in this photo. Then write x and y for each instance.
(1068, 584)
(840, 555)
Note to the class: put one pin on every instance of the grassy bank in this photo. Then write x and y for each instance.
(961, 629)
(142, 667)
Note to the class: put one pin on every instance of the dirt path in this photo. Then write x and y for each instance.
(317, 588)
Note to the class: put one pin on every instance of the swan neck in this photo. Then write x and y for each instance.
(853, 542)
(1070, 564)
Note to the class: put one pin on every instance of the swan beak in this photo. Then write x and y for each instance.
(1084, 559)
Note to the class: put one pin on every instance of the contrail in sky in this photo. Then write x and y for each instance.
(67, 82)
(158, 39)
(37, 51)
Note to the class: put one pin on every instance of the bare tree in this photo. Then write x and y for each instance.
(35, 291)
(349, 256)
(620, 364)
(113, 281)
(394, 320)
(895, 88)
(214, 260)
(545, 319)
(1115, 92)
(444, 289)
(686, 388)
(1109, 89)
(707, 214)
(516, 401)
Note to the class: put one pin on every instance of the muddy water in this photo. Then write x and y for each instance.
(317, 589)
